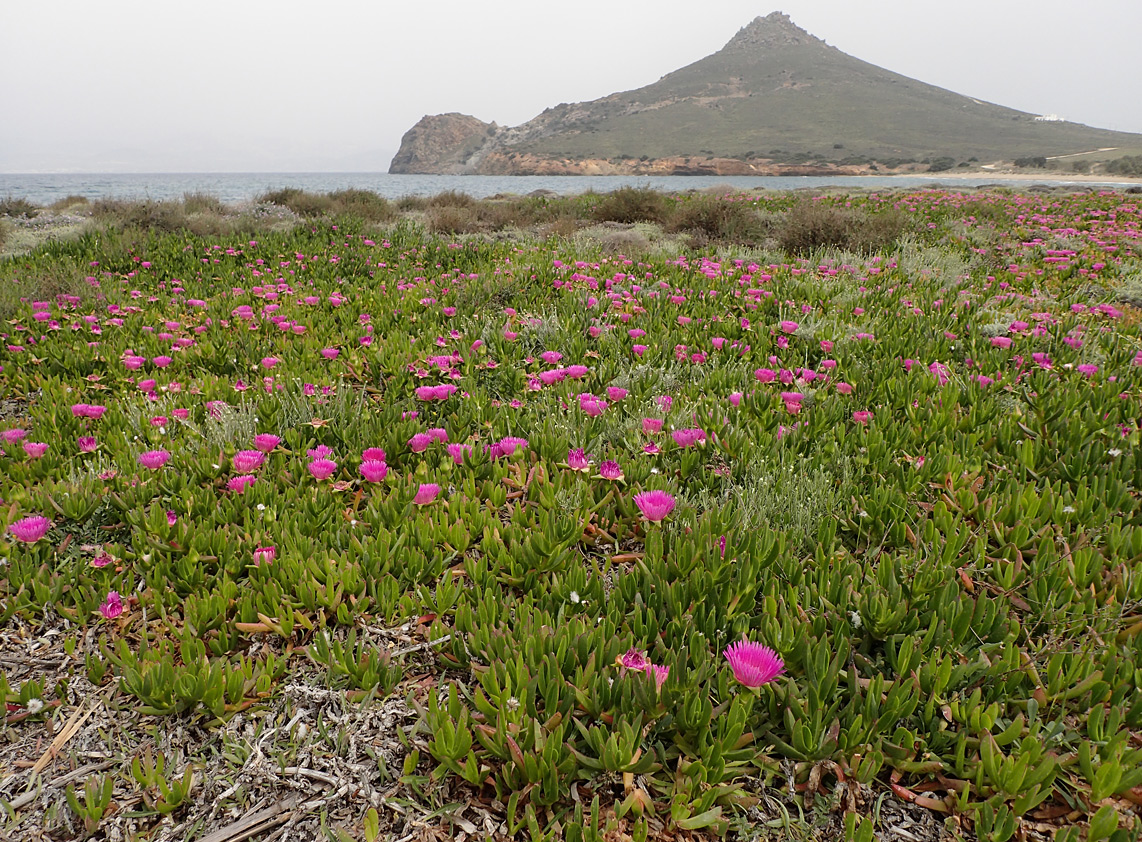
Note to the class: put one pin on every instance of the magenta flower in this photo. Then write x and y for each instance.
(172, 518)
(659, 673)
(266, 442)
(154, 459)
(425, 393)
(426, 493)
(35, 449)
(264, 555)
(133, 362)
(576, 372)
(30, 529)
(111, 607)
(788, 327)
(654, 505)
(610, 470)
(373, 471)
(632, 659)
(753, 664)
(239, 484)
(13, 436)
(320, 452)
(765, 375)
(508, 444)
(438, 434)
(689, 436)
(577, 460)
(592, 405)
(322, 468)
(247, 461)
(101, 560)
(616, 393)
(862, 417)
(269, 362)
(650, 426)
(162, 362)
(457, 451)
(330, 353)
(373, 454)
(420, 442)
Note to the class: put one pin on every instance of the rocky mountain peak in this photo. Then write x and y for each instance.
(773, 30)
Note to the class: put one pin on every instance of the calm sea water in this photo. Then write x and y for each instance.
(239, 187)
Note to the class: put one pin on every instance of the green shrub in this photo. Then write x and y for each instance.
(69, 202)
(632, 204)
(450, 199)
(362, 204)
(202, 203)
(809, 226)
(12, 206)
(301, 202)
(1130, 165)
(146, 215)
(720, 218)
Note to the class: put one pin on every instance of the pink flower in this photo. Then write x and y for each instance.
(373, 454)
(639, 350)
(508, 444)
(438, 434)
(457, 452)
(133, 362)
(320, 452)
(632, 659)
(172, 518)
(420, 442)
(610, 470)
(577, 460)
(86, 444)
(269, 362)
(659, 673)
(788, 327)
(592, 405)
(688, 437)
(101, 560)
(162, 362)
(753, 664)
(736, 398)
(373, 471)
(154, 459)
(111, 607)
(265, 442)
(1001, 341)
(330, 353)
(247, 461)
(322, 468)
(765, 375)
(35, 449)
(241, 483)
(654, 505)
(426, 493)
(862, 417)
(650, 426)
(577, 372)
(13, 436)
(264, 555)
(616, 393)
(148, 385)
(844, 388)
(30, 529)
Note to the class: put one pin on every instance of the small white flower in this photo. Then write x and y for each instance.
(862, 513)
(261, 507)
(1114, 451)
(35, 705)
(1068, 510)
(654, 470)
(575, 597)
(854, 618)
(513, 704)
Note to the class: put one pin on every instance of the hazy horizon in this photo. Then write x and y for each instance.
(125, 86)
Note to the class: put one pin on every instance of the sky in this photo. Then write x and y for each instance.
(302, 86)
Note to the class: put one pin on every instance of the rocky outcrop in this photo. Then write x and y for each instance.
(441, 144)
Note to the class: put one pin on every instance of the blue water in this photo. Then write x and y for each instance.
(43, 189)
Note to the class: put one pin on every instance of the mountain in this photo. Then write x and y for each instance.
(774, 100)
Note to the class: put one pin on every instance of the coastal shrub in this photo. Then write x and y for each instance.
(810, 225)
(72, 202)
(1129, 165)
(5, 231)
(450, 199)
(721, 218)
(301, 202)
(202, 203)
(362, 204)
(632, 204)
(146, 215)
(411, 203)
(13, 206)
(449, 219)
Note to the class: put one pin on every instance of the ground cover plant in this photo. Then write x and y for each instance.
(356, 532)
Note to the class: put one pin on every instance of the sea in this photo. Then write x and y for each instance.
(236, 188)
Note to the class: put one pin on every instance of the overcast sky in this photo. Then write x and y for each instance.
(300, 85)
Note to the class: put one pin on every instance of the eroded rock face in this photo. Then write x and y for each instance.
(441, 144)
